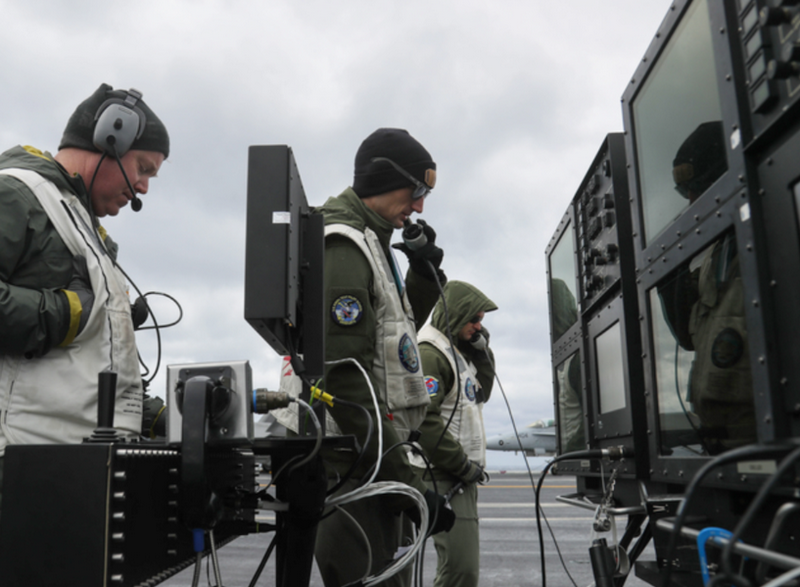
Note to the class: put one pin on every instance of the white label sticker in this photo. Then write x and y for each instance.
(281, 218)
(736, 139)
(744, 212)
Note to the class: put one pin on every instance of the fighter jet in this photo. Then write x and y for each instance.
(536, 439)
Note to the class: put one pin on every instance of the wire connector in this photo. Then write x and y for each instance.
(617, 453)
(265, 400)
(322, 396)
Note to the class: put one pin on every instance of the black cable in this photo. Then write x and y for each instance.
(171, 324)
(96, 224)
(455, 359)
(155, 326)
(264, 560)
(530, 475)
(578, 454)
(733, 455)
(751, 512)
(367, 440)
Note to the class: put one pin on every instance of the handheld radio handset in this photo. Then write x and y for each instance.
(413, 235)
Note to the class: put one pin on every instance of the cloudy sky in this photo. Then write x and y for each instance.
(512, 98)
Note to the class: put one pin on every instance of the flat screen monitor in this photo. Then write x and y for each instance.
(284, 259)
(676, 116)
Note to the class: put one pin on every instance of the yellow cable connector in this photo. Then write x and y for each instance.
(322, 396)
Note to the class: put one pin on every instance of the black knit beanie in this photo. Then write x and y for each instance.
(378, 177)
(79, 132)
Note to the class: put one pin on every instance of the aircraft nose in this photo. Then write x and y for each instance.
(494, 443)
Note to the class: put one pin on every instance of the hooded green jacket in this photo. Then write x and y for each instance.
(347, 272)
(35, 264)
(463, 302)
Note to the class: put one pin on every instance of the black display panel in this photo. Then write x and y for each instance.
(284, 259)
(684, 137)
(597, 390)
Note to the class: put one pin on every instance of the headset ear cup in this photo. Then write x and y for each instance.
(116, 128)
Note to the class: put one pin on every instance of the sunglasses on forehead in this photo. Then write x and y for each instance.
(420, 190)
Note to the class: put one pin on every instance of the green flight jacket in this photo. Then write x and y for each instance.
(35, 264)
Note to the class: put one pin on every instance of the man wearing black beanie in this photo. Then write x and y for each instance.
(65, 314)
(374, 315)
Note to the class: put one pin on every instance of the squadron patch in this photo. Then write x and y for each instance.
(469, 389)
(727, 349)
(432, 385)
(347, 311)
(407, 351)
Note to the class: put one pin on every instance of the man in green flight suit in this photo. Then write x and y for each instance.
(459, 373)
(373, 318)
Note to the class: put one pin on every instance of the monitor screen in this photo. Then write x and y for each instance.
(563, 285)
(284, 259)
(610, 369)
(678, 133)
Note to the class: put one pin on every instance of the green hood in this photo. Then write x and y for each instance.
(464, 301)
(347, 208)
(43, 164)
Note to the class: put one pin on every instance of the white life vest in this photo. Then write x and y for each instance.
(467, 423)
(396, 367)
(53, 399)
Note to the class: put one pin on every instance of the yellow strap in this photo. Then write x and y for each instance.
(75, 311)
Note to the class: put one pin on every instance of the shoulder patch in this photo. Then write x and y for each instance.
(432, 385)
(347, 311)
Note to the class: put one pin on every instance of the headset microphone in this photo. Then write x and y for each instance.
(136, 203)
(413, 235)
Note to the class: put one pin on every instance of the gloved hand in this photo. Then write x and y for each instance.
(419, 259)
(472, 472)
(154, 417)
(440, 517)
(139, 312)
(81, 286)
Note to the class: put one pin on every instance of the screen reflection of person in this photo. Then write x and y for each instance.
(568, 374)
(704, 308)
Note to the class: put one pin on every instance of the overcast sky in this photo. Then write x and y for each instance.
(512, 99)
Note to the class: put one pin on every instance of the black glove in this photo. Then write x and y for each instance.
(472, 472)
(139, 312)
(421, 259)
(81, 285)
(154, 417)
(440, 517)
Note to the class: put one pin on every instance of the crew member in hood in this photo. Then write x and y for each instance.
(459, 373)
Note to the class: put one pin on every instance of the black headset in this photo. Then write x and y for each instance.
(118, 123)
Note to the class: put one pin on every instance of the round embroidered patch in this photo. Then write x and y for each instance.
(727, 349)
(347, 311)
(407, 351)
(469, 389)
(432, 385)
